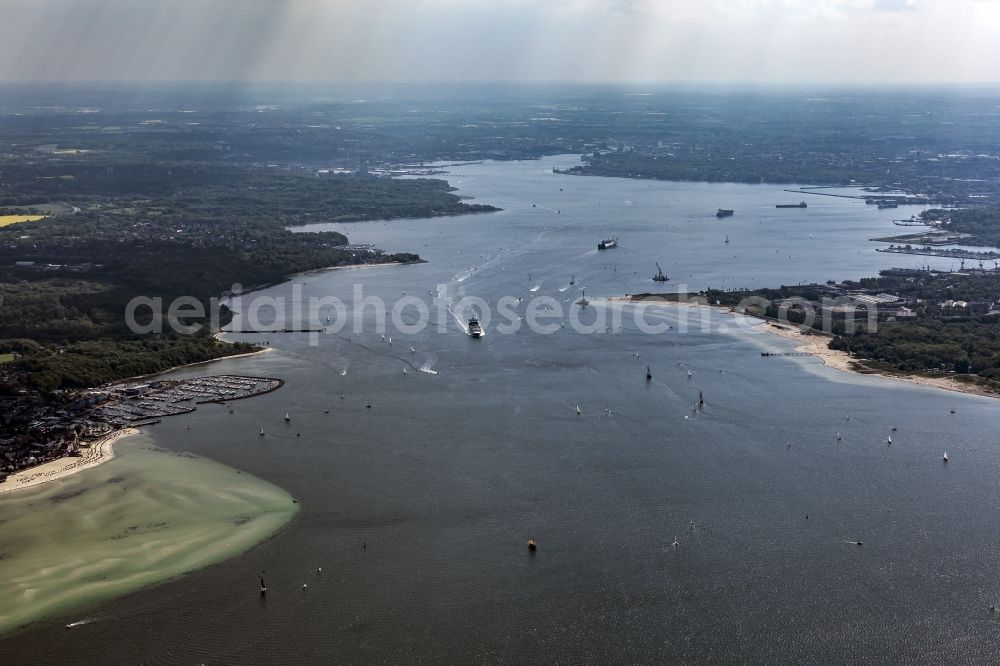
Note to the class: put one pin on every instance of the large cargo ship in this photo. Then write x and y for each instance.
(801, 204)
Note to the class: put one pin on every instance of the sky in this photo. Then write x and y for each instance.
(611, 41)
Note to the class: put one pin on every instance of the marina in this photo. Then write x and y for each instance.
(128, 403)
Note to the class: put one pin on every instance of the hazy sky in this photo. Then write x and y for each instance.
(501, 40)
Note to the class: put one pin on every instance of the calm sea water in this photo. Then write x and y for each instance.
(419, 508)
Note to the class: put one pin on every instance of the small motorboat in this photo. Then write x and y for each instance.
(532, 546)
(287, 417)
(649, 373)
(945, 457)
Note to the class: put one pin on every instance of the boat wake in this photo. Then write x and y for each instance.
(428, 365)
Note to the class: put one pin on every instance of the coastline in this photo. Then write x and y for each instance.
(152, 516)
(196, 363)
(100, 451)
(816, 344)
(315, 271)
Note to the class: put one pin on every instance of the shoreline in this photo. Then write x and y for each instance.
(196, 363)
(816, 344)
(100, 451)
(316, 271)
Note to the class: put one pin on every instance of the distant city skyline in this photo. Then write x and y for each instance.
(624, 41)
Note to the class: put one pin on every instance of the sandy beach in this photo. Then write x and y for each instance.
(816, 344)
(196, 363)
(100, 451)
(350, 267)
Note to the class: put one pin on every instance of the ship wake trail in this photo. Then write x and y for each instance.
(428, 364)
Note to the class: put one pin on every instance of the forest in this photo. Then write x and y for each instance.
(983, 222)
(140, 224)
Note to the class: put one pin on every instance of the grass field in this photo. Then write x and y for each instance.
(6, 358)
(6, 220)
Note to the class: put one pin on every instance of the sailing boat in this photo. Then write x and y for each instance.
(889, 440)
(727, 239)
(649, 373)
(261, 432)
(838, 437)
(287, 417)
(572, 280)
(583, 302)
(945, 458)
(578, 412)
(263, 588)
(701, 399)
(659, 277)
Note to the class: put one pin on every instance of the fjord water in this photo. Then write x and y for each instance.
(146, 516)
(418, 509)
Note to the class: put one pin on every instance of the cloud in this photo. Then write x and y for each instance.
(501, 40)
